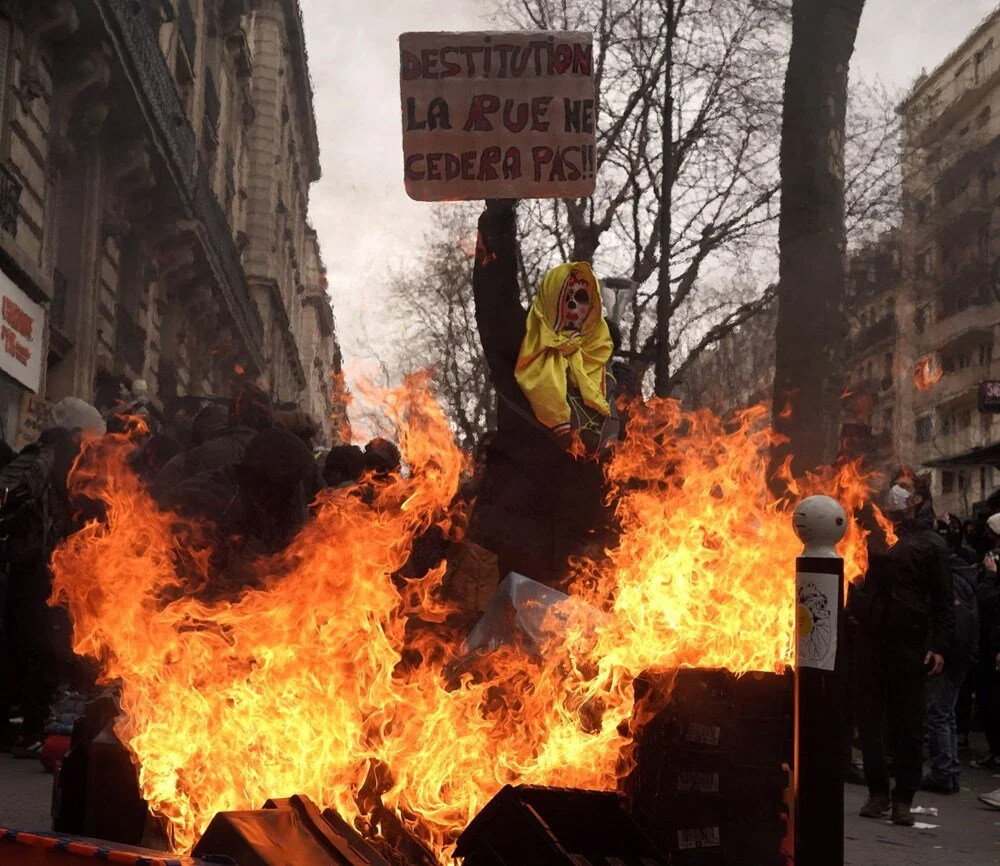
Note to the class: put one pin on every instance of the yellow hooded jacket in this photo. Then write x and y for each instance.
(551, 357)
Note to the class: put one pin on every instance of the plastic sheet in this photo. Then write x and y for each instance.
(526, 614)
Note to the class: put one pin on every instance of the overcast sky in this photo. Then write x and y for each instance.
(368, 226)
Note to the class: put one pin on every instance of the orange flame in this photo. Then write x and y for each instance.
(333, 680)
(927, 374)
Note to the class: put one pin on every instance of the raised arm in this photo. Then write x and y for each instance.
(499, 313)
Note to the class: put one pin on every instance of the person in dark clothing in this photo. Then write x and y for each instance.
(987, 679)
(210, 421)
(942, 692)
(35, 515)
(538, 504)
(382, 457)
(222, 447)
(906, 627)
(274, 478)
(248, 510)
(158, 450)
(951, 530)
(6, 454)
(344, 465)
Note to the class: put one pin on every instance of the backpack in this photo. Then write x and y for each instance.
(24, 501)
(963, 578)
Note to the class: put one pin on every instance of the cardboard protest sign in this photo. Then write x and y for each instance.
(498, 115)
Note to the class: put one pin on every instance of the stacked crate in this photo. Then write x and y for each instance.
(712, 767)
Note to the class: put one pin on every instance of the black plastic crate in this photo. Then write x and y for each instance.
(751, 695)
(535, 826)
(286, 831)
(722, 843)
(716, 740)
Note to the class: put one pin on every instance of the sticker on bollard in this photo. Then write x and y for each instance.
(816, 614)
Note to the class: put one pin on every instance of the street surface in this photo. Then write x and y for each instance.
(966, 831)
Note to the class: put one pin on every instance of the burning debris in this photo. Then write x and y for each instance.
(325, 680)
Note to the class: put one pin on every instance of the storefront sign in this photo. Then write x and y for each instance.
(22, 335)
(498, 115)
(34, 413)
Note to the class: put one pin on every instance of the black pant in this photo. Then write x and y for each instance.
(963, 709)
(890, 707)
(35, 645)
(988, 701)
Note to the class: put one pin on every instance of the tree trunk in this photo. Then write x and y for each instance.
(812, 324)
(661, 381)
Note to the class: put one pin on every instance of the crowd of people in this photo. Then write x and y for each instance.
(243, 470)
(924, 627)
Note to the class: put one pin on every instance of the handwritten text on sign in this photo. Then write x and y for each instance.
(498, 115)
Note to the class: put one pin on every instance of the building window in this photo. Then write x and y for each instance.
(960, 481)
(947, 481)
(920, 319)
(985, 354)
(926, 261)
(925, 429)
(980, 58)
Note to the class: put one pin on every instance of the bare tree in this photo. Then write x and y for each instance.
(434, 313)
(689, 97)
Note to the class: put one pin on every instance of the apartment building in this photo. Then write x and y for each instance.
(155, 164)
(948, 316)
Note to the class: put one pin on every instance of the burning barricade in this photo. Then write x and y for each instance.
(332, 678)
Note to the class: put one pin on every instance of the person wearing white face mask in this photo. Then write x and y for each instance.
(904, 637)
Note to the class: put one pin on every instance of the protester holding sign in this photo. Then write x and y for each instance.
(542, 498)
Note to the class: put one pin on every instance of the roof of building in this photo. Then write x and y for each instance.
(924, 81)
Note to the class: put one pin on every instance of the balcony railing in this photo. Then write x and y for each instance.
(213, 108)
(883, 329)
(152, 77)
(969, 210)
(188, 29)
(230, 170)
(961, 386)
(130, 341)
(959, 326)
(10, 201)
(220, 238)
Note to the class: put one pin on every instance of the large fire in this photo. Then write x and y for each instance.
(329, 680)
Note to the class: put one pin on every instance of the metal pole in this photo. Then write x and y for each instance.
(818, 817)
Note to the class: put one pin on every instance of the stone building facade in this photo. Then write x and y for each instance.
(155, 164)
(950, 313)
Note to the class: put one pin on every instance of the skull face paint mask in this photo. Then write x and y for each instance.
(575, 303)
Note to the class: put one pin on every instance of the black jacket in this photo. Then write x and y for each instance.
(907, 599)
(221, 451)
(537, 505)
